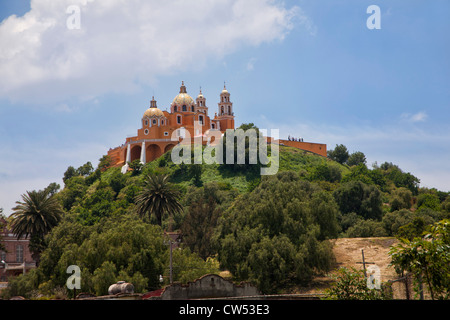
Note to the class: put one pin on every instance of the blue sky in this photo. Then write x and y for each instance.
(311, 69)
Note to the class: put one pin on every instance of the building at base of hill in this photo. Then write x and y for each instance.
(15, 258)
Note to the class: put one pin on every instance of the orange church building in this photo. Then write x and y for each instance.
(158, 127)
(162, 130)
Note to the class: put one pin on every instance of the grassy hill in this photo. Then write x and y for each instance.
(270, 230)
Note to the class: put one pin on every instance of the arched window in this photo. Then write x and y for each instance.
(184, 108)
(200, 119)
(175, 109)
(179, 119)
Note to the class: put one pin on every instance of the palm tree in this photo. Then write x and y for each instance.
(158, 197)
(35, 216)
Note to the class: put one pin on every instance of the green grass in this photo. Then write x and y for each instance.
(291, 158)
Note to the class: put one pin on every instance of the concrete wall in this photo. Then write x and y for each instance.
(208, 286)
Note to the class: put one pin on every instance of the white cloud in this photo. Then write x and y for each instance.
(417, 117)
(122, 44)
(251, 64)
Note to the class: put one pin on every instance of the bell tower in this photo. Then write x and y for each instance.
(225, 112)
(201, 103)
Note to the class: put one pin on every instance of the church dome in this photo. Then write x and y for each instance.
(153, 111)
(183, 99)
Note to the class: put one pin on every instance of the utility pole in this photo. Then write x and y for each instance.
(171, 269)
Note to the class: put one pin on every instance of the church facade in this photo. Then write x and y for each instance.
(161, 130)
(158, 128)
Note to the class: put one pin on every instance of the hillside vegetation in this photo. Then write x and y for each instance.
(270, 230)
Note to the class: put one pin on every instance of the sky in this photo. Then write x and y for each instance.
(76, 77)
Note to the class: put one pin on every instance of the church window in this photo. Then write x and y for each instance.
(200, 119)
(154, 121)
(184, 108)
(146, 122)
(146, 131)
(179, 119)
(166, 134)
(175, 109)
(19, 253)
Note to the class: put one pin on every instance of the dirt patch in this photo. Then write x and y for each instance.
(348, 254)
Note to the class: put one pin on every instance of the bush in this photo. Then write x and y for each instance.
(351, 284)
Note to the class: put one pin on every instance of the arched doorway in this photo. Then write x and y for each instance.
(135, 153)
(169, 147)
(153, 152)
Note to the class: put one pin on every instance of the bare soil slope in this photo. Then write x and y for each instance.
(348, 253)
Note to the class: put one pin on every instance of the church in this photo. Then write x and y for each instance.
(155, 137)
(161, 130)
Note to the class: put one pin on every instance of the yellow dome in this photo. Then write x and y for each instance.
(183, 99)
(153, 112)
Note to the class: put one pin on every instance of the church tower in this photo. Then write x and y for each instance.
(225, 114)
(201, 103)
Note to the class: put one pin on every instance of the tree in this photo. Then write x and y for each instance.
(198, 227)
(86, 169)
(104, 277)
(339, 154)
(445, 206)
(272, 235)
(158, 197)
(357, 158)
(428, 200)
(136, 166)
(358, 197)
(195, 170)
(250, 133)
(427, 258)
(327, 172)
(104, 162)
(36, 216)
(401, 199)
(400, 179)
(2, 218)
(70, 172)
(53, 188)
